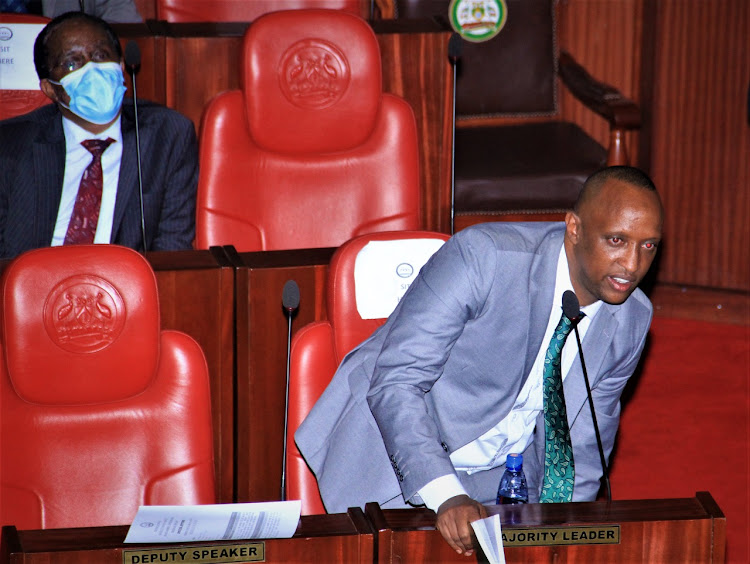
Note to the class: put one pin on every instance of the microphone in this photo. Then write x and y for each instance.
(133, 65)
(454, 53)
(572, 311)
(290, 302)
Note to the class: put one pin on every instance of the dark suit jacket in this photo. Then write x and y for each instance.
(449, 363)
(32, 164)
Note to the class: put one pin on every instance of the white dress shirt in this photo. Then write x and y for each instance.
(513, 433)
(77, 158)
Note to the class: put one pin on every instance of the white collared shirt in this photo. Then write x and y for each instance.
(77, 158)
(514, 432)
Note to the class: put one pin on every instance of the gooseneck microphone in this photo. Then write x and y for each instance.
(454, 53)
(572, 311)
(290, 303)
(133, 65)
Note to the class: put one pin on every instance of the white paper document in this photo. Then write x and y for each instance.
(227, 521)
(490, 537)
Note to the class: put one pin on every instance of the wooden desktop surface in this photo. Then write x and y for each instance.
(345, 537)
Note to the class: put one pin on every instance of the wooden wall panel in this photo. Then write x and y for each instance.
(701, 141)
(605, 37)
(416, 67)
(262, 329)
(199, 68)
(197, 297)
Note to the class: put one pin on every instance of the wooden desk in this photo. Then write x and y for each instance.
(650, 532)
(346, 537)
(185, 65)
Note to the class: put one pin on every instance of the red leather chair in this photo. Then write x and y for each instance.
(319, 347)
(17, 102)
(184, 11)
(101, 410)
(310, 152)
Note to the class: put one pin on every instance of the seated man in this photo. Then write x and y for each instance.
(463, 372)
(68, 171)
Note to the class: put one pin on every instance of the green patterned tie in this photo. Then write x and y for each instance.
(559, 470)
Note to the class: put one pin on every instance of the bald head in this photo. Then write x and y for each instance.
(626, 174)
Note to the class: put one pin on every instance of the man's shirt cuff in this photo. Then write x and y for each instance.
(440, 490)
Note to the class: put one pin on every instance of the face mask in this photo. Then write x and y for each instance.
(95, 90)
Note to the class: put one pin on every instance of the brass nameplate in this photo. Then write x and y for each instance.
(545, 536)
(209, 554)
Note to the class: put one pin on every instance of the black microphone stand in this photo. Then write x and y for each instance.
(605, 471)
(133, 65)
(290, 301)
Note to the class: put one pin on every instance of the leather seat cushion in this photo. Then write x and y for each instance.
(540, 166)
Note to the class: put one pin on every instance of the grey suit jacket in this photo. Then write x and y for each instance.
(32, 164)
(449, 363)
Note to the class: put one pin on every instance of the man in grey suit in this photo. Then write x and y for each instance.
(427, 409)
(42, 156)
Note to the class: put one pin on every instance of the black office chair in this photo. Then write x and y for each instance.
(516, 158)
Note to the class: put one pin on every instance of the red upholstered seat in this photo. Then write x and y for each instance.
(318, 348)
(101, 410)
(310, 152)
(15, 102)
(183, 11)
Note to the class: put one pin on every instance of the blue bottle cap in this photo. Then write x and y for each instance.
(514, 461)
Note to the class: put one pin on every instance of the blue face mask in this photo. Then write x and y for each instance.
(95, 90)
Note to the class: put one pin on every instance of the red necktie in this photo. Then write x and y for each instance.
(82, 226)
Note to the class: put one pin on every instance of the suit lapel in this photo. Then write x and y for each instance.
(48, 170)
(541, 291)
(595, 344)
(127, 184)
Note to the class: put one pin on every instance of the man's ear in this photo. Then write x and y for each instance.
(572, 226)
(49, 89)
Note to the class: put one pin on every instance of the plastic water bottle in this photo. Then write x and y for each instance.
(513, 489)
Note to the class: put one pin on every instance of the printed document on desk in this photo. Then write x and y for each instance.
(227, 521)
(490, 536)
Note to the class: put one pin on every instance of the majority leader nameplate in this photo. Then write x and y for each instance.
(546, 536)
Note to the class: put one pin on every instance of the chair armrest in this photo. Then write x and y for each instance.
(605, 100)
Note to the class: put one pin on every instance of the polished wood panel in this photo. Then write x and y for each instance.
(651, 532)
(701, 141)
(262, 330)
(344, 537)
(702, 304)
(196, 296)
(416, 67)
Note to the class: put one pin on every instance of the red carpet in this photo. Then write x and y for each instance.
(685, 423)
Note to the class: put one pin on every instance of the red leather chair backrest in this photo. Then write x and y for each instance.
(15, 102)
(184, 11)
(101, 411)
(319, 347)
(310, 153)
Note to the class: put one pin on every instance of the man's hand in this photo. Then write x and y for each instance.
(454, 519)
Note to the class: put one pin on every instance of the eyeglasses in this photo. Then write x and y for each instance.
(74, 62)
